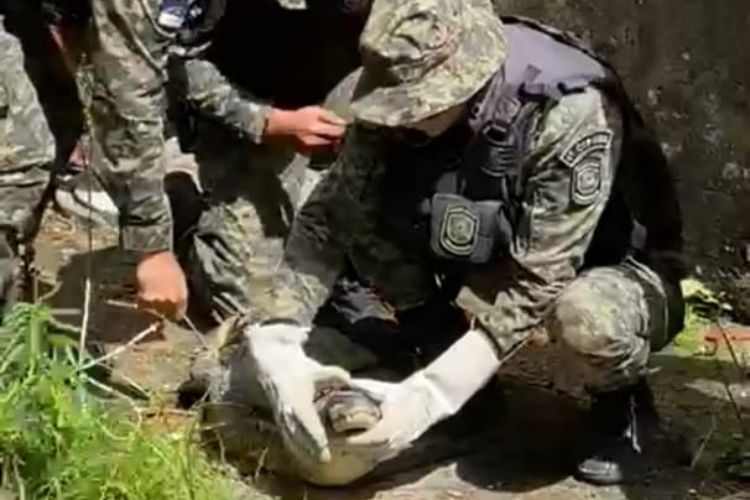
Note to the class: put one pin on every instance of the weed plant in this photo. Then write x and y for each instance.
(59, 440)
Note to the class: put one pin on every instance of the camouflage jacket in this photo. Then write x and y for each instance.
(577, 139)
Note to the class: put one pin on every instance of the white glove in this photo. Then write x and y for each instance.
(291, 380)
(428, 396)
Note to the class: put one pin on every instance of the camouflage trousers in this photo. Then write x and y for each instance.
(41, 118)
(609, 320)
(234, 251)
(235, 247)
(27, 146)
(27, 151)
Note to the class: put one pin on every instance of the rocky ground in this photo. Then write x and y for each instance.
(520, 445)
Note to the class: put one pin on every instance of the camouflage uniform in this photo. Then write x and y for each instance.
(40, 121)
(251, 189)
(38, 130)
(607, 319)
(27, 151)
(129, 61)
(129, 102)
(251, 194)
(127, 116)
(553, 141)
(41, 112)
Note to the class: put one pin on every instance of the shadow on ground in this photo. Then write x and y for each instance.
(159, 362)
(113, 319)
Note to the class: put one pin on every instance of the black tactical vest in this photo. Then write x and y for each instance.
(467, 187)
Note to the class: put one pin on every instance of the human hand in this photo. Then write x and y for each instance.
(309, 130)
(162, 286)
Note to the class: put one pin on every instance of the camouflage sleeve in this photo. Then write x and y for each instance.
(212, 95)
(316, 251)
(128, 101)
(568, 176)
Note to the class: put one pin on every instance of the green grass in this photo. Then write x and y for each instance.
(703, 307)
(59, 441)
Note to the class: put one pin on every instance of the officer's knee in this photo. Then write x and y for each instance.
(587, 325)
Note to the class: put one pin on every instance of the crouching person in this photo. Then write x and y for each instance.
(499, 165)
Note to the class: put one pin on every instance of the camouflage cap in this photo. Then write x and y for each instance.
(293, 4)
(422, 57)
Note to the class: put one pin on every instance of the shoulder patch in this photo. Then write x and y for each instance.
(586, 183)
(592, 143)
(585, 158)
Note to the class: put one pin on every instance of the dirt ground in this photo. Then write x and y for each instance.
(520, 445)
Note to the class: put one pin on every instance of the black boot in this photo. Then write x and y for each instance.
(620, 422)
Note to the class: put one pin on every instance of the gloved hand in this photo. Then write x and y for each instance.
(291, 380)
(428, 396)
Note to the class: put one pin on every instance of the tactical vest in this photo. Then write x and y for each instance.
(468, 206)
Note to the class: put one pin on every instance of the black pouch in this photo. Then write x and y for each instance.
(468, 231)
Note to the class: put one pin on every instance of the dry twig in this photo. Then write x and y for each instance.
(119, 350)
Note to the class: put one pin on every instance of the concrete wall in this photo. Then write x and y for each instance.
(687, 63)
